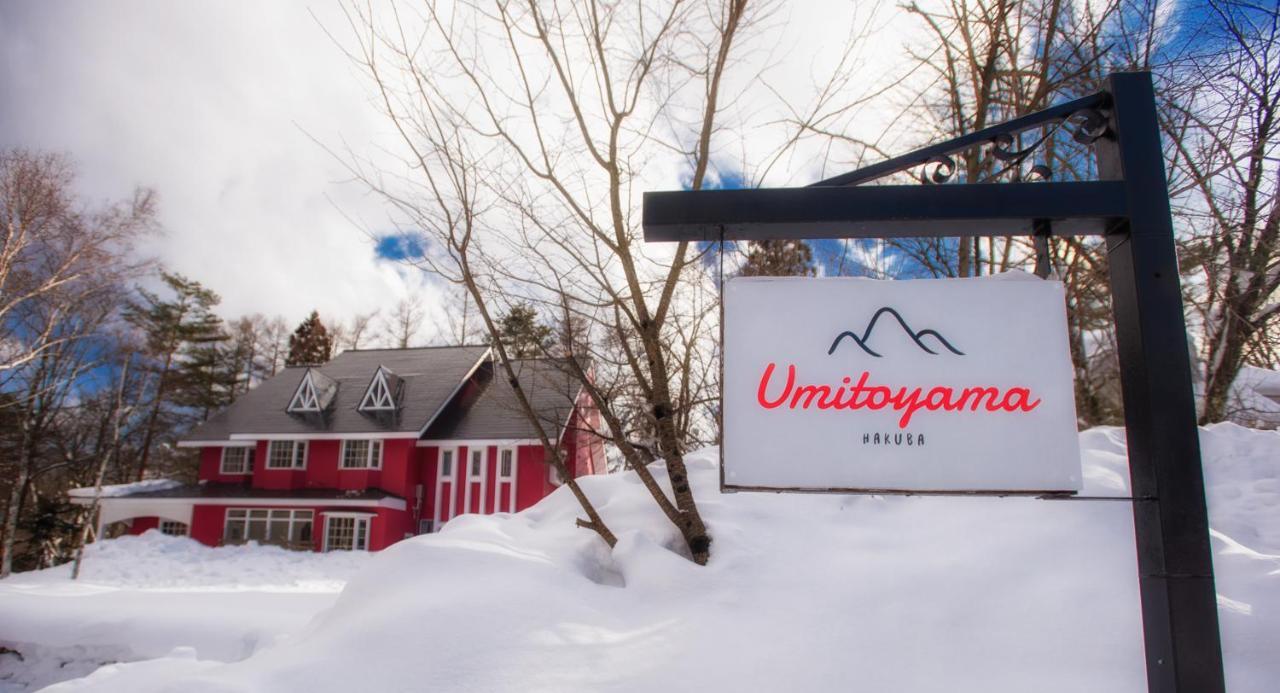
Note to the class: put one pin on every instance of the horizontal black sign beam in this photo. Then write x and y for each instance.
(883, 211)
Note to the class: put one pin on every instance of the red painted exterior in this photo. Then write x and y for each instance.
(409, 475)
(407, 466)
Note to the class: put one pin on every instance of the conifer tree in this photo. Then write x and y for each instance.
(522, 334)
(779, 258)
(179, 333)
(310, 344)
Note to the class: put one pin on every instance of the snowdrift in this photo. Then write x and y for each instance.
(804, 593)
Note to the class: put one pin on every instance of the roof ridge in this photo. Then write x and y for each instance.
(420, 348)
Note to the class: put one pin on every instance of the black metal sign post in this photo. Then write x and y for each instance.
(1130, 207)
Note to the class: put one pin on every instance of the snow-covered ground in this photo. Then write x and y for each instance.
(804, 593)
(140, 597)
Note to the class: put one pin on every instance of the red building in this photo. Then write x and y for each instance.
(373, 447)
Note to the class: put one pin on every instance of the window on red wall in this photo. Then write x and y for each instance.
(287, 528)
(506, 467)
(236, 461)
(287, 454)
(362, 454)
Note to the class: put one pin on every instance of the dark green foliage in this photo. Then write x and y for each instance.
(310, 344)
(522, 334)
(779, 258)
(184, 339)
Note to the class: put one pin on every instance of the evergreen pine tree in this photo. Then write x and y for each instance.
(310, 344)
(522, 334)
(779, 258)
(179, 332)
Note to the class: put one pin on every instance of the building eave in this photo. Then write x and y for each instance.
(458, 388)
(391, 503)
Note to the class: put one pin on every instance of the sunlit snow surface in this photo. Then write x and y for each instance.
(804, 593)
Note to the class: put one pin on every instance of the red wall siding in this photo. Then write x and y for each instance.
(533, 479)
(211, 463)
(138, 525)
(206, 524)
(387, 527)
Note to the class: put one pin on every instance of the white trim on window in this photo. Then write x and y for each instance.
(266, 519)
(481, 478)
(305, 398)
(246, 464)
(173, 528)
(361, 529)
(378, 396)
(369, 458)
(297, 454)
(441, 479)
(508, 472)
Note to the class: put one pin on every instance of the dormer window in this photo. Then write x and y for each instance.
(383, 391)
(314, 393)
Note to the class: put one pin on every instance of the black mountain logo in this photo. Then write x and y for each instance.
(915, 336)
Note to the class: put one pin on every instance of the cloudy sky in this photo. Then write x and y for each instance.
(219, 107)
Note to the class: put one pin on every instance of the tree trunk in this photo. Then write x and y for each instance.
(91, 516)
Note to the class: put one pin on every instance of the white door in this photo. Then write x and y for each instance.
(446, 486)
(346, 533)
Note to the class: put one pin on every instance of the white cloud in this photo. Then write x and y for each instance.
(214, 105)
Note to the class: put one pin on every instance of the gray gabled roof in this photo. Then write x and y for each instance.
(490, 410)
(430, 376)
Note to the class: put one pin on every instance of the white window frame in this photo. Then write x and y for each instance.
(296, 516)
(508, 480)
(297, 455)
(305, 398)
(378, 396)
(365, 518)
(441, 479)
(186, 529)
(248, 461)
(472, 479)
(372, 455)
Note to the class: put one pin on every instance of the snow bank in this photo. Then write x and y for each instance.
(155, 561)
(804, 593)
(116, 490)
(139, 597)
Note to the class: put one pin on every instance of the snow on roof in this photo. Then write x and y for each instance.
(117, 490)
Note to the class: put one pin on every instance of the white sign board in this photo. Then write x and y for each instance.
(932, 385)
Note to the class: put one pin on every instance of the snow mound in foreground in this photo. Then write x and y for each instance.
(155, 561)
(804, 593)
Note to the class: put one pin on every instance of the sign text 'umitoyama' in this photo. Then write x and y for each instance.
(852, 396)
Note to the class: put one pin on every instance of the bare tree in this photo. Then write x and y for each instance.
(273, 345)
(523, 203)
(404, 325)
(1222, 120)
(48, 243)
(357, 329)
(63, 271)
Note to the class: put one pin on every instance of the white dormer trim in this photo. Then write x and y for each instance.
(379, 396)
(310, 398)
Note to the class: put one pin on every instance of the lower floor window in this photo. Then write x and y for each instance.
(173, 529)
(424, 526)
(287, 528)
(346, 533)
